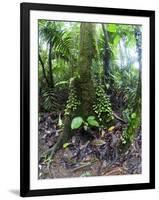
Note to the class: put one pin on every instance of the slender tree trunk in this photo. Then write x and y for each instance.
(50, 66)
(138, 38)
(106, 58)
(43, 68)
(139, 53)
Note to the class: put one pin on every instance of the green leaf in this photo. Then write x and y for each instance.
(90, 118)
(76, 122)
(116, 40)
(91, 121)
(111, 128)
(133, 115)
(66, 145)
(112, 28)
(61, 83)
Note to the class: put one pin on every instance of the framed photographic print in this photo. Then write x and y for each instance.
(87, 99)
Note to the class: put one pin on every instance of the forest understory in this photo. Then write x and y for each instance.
(96, 153)
(89, 99)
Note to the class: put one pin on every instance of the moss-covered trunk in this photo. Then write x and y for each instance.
(83, 86)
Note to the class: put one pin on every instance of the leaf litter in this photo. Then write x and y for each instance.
(93, 154)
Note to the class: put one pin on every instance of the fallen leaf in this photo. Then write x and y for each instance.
(111, 128)
(115, 171)
(66, 145)
(98, 142)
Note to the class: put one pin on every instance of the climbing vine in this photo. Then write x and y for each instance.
(102, 105)
(72, 102)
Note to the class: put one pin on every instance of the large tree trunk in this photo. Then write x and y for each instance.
(84, 85)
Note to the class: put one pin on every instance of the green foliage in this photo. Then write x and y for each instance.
(55, 42)
(112, 28)
(92, 121)
(51, 32)
(124, 85)
(62, 73)
(102, 106)
(78, 121)
(133, 123)
(116, 40)
(121, 83)
(61, 83)
(49, 100)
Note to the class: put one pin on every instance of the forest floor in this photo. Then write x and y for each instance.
(86, 154)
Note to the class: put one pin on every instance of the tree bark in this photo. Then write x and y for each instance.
(84, 85)
(139, 53)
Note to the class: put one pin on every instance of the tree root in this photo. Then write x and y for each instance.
(63, 138)
(51, 152)
(83, 165)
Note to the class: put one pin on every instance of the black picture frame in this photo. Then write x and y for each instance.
(25, 9)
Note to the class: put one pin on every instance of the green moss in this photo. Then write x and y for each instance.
(84, 85)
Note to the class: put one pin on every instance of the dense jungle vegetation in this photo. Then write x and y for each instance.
(89, 99)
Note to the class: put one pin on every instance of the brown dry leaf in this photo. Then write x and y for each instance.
(114, 171)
